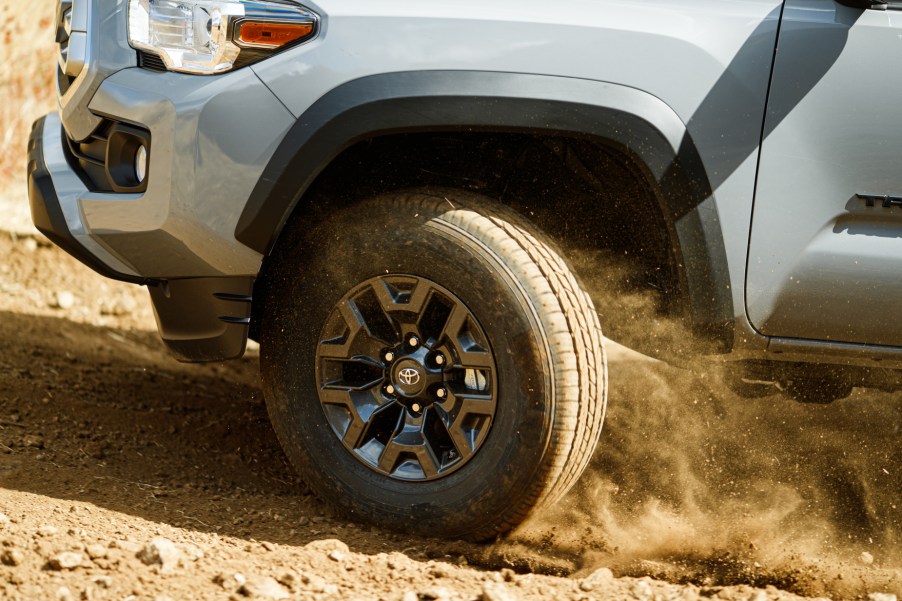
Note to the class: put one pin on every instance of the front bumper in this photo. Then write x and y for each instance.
(64, 226)
(200, 319)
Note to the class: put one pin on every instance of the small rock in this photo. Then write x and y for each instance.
(64, 594)
(314, 583)
(410, 596)
(882, 597)
(117, 306)
(96, 551)
(103, 581)
(642, 590)
(436, 594)
(327, 546)
(11, 557)
(866, 558)
(239, 578)
(47, 530)
(690, 593)
(496, 591)
(126, 545)
(192, 552)
(4, 519)
(439, 571)
(508, 575)
(30, 245)
(33, 441)
(268, 545)
(263, 588)
(395, 561)
(160, 551)
(289, 579)
(63, 300)
(68, 560)
(336, 555)
(596, 579)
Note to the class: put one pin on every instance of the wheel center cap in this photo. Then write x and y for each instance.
(409, 377)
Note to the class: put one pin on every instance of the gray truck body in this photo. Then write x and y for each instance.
(762, 122)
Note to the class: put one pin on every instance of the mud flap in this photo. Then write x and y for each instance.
(204, 319)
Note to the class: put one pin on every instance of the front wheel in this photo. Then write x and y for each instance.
(431, 365)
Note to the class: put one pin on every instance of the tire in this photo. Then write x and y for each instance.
(517, 403)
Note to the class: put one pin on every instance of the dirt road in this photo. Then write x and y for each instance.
(125, 475)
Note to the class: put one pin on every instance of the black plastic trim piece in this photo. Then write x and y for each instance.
(48, 215)
(414, 102)
(198, 319)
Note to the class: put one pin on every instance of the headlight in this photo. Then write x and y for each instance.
(212, 36)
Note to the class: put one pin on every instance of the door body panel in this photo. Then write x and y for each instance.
(822, 264)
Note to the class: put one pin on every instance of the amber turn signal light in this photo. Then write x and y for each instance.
(272, 35)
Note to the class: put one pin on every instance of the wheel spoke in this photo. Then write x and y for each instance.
(389, 457)
(356, 373)
(469, 353)
(428, 463)
(476, 404)
(357, 424)
(462, 443)
(340, 348)
(354, 432)
(373, 317)
(462, 409)
(393, 300)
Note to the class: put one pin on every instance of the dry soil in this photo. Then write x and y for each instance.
(126, 475)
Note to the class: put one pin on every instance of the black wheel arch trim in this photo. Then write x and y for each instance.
(430, 101)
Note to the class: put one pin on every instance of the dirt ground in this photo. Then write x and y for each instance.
(126, 475)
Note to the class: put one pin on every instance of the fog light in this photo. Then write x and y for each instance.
(141, 164)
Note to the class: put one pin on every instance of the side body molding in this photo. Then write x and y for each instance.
(424, 101)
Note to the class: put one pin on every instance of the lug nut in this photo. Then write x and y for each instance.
(389, 357)
(390, 389)
(439, 359)
(414, 341)
(440, 393)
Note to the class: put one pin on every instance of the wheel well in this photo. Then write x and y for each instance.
(593, 197)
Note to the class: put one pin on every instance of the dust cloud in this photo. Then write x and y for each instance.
(693, 483)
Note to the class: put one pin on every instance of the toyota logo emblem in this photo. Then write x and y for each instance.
(409, 376)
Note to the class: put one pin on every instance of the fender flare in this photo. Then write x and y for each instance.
(428, 101)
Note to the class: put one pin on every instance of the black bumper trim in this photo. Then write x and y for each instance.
(48, 215)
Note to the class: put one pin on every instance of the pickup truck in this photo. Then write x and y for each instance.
(387, 197)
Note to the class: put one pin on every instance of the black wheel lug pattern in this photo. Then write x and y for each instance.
(397, 424)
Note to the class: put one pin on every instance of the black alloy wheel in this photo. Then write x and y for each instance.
(406, 377)
(430, 363)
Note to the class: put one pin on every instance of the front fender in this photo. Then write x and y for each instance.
(428, 101)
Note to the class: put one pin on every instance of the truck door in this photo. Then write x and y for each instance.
(825, 254)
